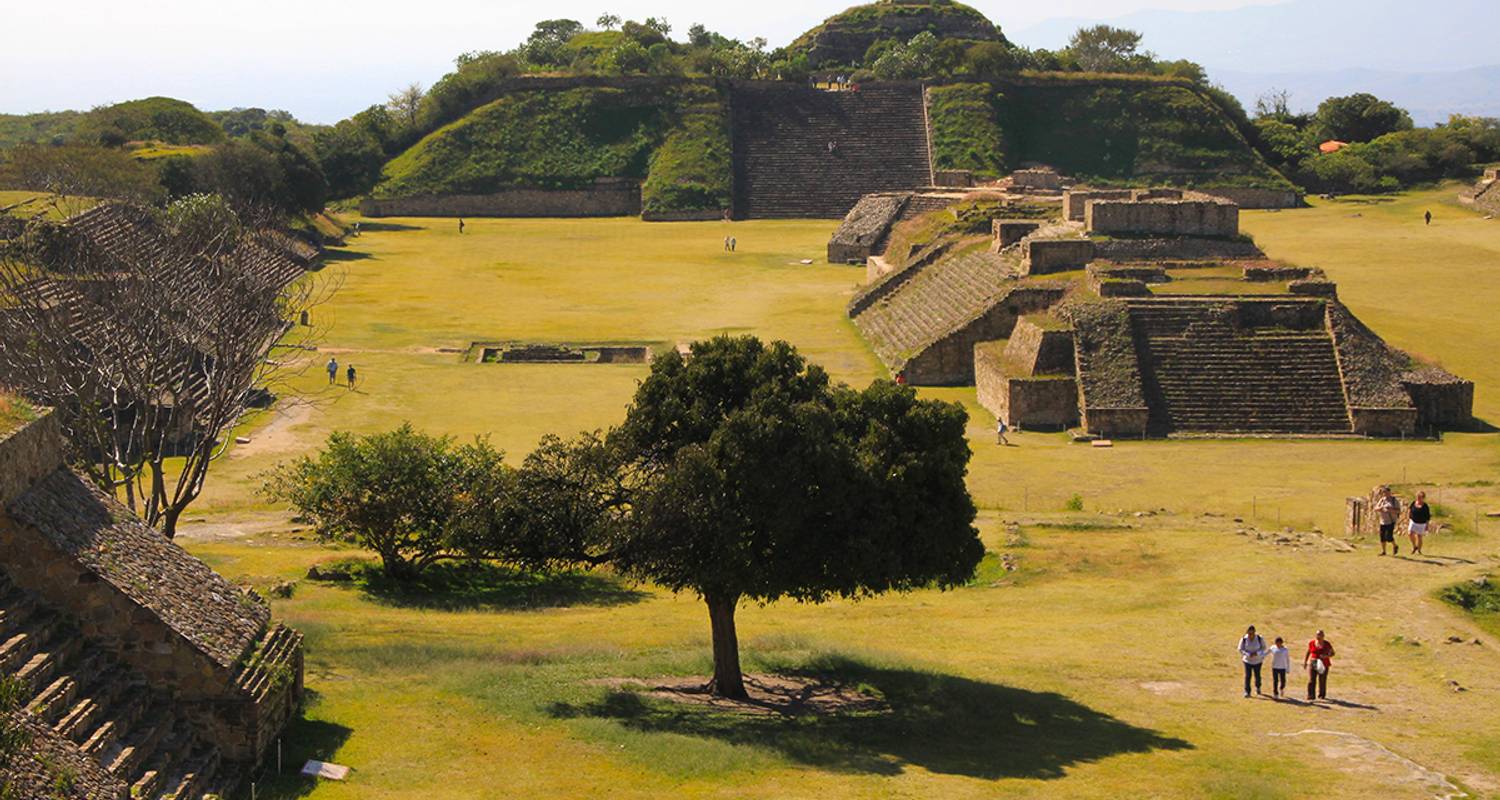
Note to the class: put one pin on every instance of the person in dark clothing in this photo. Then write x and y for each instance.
(460, 225)
(1317, 661)
(1428, 217)
(1420, 515)
(350, 375)
(1253, 654)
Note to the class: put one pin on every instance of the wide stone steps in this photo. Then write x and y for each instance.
(100, 705)
(270, 662)
(783, 166)
(1258, 382)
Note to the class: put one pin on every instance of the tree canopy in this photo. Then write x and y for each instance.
(1359, 118)
(743, 473)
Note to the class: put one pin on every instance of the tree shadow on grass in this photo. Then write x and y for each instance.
(483, 586)
(334, 255)
(941, 723)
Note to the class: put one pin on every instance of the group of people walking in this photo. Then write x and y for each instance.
(333, 372)
(1389, 509)
(1316, 661)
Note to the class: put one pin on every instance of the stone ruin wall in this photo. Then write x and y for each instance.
(1046, 256)
(1255, 199)
(1035, 350)
(1023, 403)
(950, 360)
(1007, 232)
(1076, 200)
(1190, 217)
(241, 726)
(607, 197)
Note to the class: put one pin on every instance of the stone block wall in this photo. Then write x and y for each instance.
(1076, 200)
(1383, 421)
(28, 454)
(961, 178)
(1442, 403)
(1022, 401)
(1213, 218)
(1009, 231)
(865, 227)
(1045, 256)
(1037, 349)
(1039, 179)
(1184, 248)
(607, 197)
(1116, 422)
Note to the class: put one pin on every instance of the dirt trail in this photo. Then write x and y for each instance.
(1360, 756)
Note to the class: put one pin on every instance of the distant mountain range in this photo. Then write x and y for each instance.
(1432, 58)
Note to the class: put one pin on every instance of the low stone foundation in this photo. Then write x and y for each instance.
(1076, 200)
(1384, 421)
(607, 197)
(1045, 256)
(1116, 422)
(1176, 248)
(1250, 198)
(960, 178)
(1444, 402)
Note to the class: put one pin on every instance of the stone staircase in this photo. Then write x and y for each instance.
(782, 164)
(105, 709)
(1202, 375)
(933, 303)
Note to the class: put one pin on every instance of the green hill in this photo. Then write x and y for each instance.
(843, 38)
(672, 135)
(1097, 128)
(162, 119)
(46, 127)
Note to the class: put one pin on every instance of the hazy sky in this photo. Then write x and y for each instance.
(325, 60)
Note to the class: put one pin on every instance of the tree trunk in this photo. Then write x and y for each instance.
(728, 681)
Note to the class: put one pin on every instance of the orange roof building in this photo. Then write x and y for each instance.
(1332, 146)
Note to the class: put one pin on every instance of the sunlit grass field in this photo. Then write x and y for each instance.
(1103, 665)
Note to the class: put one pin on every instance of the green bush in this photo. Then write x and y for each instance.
(966, 130)
(1480, 596)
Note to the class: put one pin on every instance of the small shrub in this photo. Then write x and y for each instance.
(1075, 503)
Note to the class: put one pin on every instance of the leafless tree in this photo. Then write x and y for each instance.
(406, 104)
(148, 332)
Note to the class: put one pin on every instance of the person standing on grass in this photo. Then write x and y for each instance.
(1388, 509)
(1428, 217)
(350, 374)
(1000, 430)
(1421, 515)
(1252, 653)
(726, 244)
(1317, 661)
(460, 225)
(733, 243)
(333, 370)
(1281, 664)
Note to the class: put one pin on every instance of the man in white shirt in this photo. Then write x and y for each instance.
(1252, 653)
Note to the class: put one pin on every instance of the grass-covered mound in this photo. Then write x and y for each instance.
(675, 138)
(845, 37)
(966, 130)
(691, 170)
(160, 119)
(1129, 130)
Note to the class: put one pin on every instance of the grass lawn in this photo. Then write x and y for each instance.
(1100, 665)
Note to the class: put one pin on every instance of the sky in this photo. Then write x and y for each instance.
(326, 60)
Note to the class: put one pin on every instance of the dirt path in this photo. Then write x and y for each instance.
(1357, 755)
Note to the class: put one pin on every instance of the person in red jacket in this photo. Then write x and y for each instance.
(1317, 662)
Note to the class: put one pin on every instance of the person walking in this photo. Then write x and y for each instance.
(726, 244)
(350, 374)
(1281, 664)
(733, 243)
(333, 370)
(1317, 661)
(1420, 515)
(460, 226)
(1428, 217)
(1000, 430)
(1252, 653)
(1388, 509)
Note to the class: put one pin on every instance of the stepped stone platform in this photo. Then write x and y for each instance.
(800, 152)
(1484, 196)
(1176, 326)
(146, 671)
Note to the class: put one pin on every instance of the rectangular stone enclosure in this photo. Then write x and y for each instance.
(1009, 231)
(1044, 256)
(1214, 218)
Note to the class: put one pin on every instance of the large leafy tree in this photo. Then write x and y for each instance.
(1103, 48)
(1359, 118)
(743, 473)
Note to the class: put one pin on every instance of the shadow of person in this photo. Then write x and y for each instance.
(940, 723)
(1349, 704)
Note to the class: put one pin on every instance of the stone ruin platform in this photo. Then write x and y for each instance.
(1148, 315)
(147, 674)
(562, 352)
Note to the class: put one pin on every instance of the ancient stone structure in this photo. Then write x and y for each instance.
(844, 38)
(1045, 256)
(146, 671)
(802, 152)
(956, 178)
(1255, 198)
(1028, 380)
(535, 353)
(1484, 196)
(865, 227)
(1076, 199)
(1037, 180)
(1196, 216)
(605, 197)
(1009, 231)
